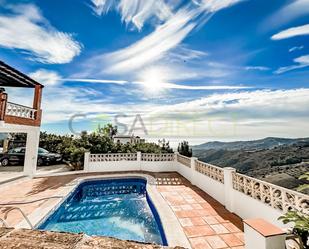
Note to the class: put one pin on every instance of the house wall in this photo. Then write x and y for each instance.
(32, 144)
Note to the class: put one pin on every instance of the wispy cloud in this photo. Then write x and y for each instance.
(291, 32)
(291, 11)
(167, 85)
(165, 38)
(301, 62)
(215, 5)
(26, 29)
(135, 12)
(296, 48)
(259, 68)
(154, 46)
(52, 78)
(99, 81)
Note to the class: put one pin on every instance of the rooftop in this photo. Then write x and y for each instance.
(13, 78)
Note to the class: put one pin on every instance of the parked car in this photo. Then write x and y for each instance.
(17, 156)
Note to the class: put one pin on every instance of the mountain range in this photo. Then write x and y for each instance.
(266, 143)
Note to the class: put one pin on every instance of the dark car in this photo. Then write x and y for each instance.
(17, 156)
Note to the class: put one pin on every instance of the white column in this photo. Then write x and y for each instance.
(139, 160)
(228, 188)
(193, 172)
(86, 161)
(176, 162)
(31, 155)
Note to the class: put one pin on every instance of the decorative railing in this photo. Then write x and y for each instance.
(111, 157)
(151, 157)
(184, 160)
(20, 111)
(214, 172)
(272, 195)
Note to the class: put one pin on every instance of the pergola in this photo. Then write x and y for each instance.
(16, 118)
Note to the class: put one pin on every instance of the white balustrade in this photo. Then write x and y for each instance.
(277, 197)
(113, 157)
(162, 157)
(20, 111)
(214, 172)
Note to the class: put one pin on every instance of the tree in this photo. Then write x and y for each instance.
(184, 149)
(73, 148)
(108, 130)
(304, 186)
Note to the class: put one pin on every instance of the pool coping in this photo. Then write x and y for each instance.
(173, 231)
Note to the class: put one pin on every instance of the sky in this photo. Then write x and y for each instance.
(196, 70)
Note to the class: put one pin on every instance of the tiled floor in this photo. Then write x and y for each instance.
(207, 224)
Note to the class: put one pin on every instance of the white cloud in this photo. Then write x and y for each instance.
(154, 46)
(291, 32)
(26, 29)
(165, 38)
(301, 62)
(215, 5)
(292, 10)
(296, 48)
(46, 77)
(52, 78)
(227, 116)
(259, 68)
(100, 81)
(135, 12)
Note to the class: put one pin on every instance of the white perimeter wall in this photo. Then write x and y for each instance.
(214, 188)
(236, 202)
(164, 166)
(247, 208)
(113, 166)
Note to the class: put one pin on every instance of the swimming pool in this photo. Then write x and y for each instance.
(119, 208)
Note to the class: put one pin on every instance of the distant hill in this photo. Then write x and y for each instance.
(266, 143)
(278, 160)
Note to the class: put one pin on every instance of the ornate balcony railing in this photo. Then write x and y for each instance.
(20, 111)
(184, 160)
(151, 157)
(272, 195)
(214, 172)
(113, 157)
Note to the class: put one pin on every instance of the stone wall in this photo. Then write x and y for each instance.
(35, 239)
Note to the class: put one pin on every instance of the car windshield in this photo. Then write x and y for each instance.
(42, 151)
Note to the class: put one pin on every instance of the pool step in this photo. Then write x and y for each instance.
(97, 211)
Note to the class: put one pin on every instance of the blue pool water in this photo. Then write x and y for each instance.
(117, 208)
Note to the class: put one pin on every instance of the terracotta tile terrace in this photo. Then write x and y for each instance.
(206, 222)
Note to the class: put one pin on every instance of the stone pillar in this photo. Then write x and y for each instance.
(228, 188)
(260, 234)
(31, 155)
(193, 172)
(175, 161)
(86, 161)
(139, 160)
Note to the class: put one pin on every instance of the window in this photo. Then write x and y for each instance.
(42, 151)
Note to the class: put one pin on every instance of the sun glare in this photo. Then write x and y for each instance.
(152, 80)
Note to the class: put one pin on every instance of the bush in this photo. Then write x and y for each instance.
(73, 148)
